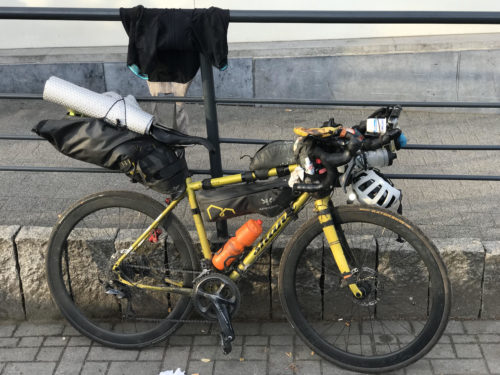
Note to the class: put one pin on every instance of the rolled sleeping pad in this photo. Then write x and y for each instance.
(109, 106)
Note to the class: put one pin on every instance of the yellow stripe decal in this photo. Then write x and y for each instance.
(386, 215)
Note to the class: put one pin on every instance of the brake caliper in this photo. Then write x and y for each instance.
(155, 233)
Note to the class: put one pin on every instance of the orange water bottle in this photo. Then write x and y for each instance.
(245, 236)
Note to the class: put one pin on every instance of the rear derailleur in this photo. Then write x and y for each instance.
(124, 297)
(217, 297)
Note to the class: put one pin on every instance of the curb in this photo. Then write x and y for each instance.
(473, 267)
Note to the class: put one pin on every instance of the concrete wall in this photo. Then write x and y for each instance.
(441, 68)
(35, 34)
(472, 266)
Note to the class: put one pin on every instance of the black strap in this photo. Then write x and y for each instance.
(262, 174)
(206, 184)
(195, 211)
(247, 176)
(290, 213)
(174, 167)
(324, 212)
(327, 223)
(282, 171)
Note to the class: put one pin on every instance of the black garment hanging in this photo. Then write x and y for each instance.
(165, 43)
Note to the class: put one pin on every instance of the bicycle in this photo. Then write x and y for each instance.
(374, 297)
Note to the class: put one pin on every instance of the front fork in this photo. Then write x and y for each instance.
(325, 218)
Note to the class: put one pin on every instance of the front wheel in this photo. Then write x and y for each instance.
(406, 292)
(85, 244)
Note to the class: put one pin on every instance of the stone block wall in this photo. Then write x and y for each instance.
(464, 258)
(473, 267)
(31, 244)
(11, 301)
(456, 68)
(490, 302)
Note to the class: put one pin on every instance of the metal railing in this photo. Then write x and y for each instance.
(210, 101)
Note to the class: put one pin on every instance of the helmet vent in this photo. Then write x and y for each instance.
(382, 199)
(372, 194)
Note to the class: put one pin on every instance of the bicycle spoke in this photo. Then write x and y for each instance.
(371, 325)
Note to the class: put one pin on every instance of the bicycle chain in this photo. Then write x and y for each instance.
(161, 270)
(190, 321)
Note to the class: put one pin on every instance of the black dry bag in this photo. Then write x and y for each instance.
(162, 168)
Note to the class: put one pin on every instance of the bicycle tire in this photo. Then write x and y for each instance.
(390, 328)
(78, 265)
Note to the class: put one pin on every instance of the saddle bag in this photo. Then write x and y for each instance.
(158, 166)
(268, 198)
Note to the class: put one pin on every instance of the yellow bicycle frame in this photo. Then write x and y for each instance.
(321, 205)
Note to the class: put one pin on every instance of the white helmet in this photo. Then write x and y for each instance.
(373, 188)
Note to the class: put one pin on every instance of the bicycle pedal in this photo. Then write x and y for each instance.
(226, 346)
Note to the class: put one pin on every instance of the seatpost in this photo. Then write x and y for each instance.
(207, 78)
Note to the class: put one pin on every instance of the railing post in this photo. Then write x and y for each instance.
(207, 78)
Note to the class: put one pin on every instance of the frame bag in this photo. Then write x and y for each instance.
(266, 198)
(158, 166)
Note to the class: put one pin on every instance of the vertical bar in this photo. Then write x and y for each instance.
(207, 78)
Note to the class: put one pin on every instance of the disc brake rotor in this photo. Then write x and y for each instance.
(368, 281)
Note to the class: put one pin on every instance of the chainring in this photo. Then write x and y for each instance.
(218, 285)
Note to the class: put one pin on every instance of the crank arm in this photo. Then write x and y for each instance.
(226, 328)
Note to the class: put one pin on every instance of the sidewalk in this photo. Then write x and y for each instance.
(469, 347)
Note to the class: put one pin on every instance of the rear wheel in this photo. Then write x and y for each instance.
(406, 293)
(88, 240)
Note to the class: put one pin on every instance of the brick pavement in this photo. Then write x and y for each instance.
(469, 347)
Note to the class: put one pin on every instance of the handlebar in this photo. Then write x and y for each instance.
(333, 160)
(376, 143)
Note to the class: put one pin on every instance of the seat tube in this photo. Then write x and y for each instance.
(326, 221)
(198, 221)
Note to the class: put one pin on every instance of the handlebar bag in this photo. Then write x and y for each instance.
(268, 198)
(158, 166)
(274, 154)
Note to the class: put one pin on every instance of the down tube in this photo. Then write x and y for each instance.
(269, 237)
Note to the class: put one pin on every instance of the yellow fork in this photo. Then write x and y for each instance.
(326, 221)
